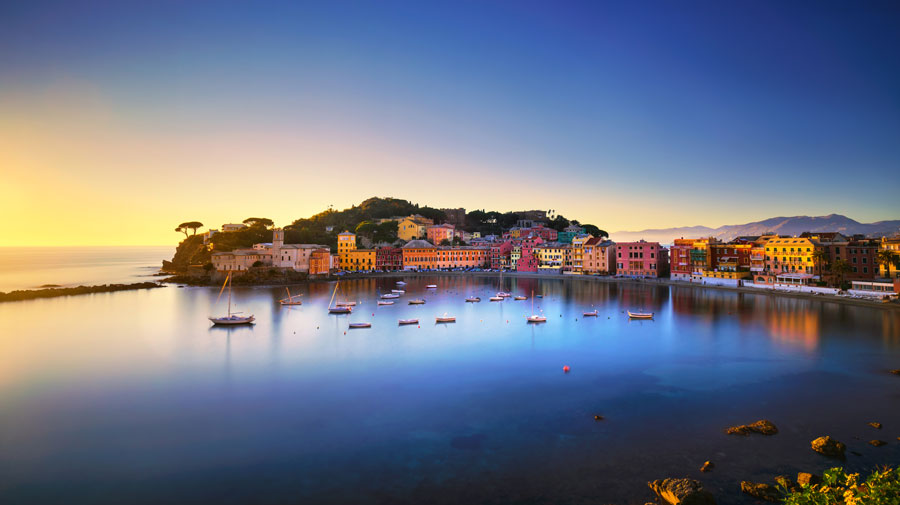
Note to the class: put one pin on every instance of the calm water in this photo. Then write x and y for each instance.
(133, 397)
(32, 267)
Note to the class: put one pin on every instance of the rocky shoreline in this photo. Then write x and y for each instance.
(33, 294)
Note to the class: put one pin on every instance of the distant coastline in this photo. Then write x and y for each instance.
(53, 292)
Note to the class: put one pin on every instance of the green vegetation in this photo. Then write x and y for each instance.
(881, 487)
(190, 225)
(31, 294)
(323, 228)
(887, 259)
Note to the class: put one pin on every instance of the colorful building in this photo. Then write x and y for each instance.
(500, 253)
(578, 253)
(599, 257)
(412, 228)
(551, 257)
(680, 259)
(358, 260)
(641, 259)
(791, 255)
(389, 258)
(891, 245)
(275, 254)
(462, 257)
(439, 233)
(731, 257)
(419, 255)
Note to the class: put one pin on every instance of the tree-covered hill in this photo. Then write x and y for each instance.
(322, 228)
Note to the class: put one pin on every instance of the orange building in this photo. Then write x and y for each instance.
(462, 257)
(440, 232)
(419, 255)
(320, 262)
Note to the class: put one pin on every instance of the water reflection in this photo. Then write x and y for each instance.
(423, 413)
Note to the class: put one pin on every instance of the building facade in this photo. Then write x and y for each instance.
(641, 259)
(419, 255)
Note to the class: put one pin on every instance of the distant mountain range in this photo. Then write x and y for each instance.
(780, 225)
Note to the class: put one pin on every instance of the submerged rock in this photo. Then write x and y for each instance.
(709, 465)
(877, 443)
(808, 479)
(830, 447)
(896, 372)
(763, 427)
(766, 492)
(877, 426)
(786, 482)
(682, 492)
(598, 418)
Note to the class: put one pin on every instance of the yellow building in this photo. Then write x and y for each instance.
(791, 255)
(352, 259)
(410, 228)
(577, 252)
(358, 259)
(550, 257)
(892, 245)
(346, 242)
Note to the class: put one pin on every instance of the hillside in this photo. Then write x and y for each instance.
(780, 225)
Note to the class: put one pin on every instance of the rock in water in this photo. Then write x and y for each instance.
(763, 427)
(827, 446)
(707, 466)
(787, 483)
(877, 443)
(766, 492)
(896, 372)
(877, 426)
(808, 479)
(682, 492)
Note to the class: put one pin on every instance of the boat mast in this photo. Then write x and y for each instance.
(333, 293)
(228, 281)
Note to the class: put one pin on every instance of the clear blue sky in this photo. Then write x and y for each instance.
(712, 112)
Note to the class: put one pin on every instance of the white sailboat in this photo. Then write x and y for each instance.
(332, 309)
(500, 294)
(232, 318)
(533, 318)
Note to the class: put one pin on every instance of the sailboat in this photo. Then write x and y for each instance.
(344, 309)
(533, 318)
(232, 318)
(500, 294)
(290, 298)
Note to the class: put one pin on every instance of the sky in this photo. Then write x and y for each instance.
(120, 120)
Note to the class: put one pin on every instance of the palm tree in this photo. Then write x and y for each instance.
(840, 267)
(886, 258)
(820, 260)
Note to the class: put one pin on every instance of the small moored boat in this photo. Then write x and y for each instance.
(445, 319)
(590, 314)
(640, 315)
(431, 286)
(291, 299)
(473, 299)
(534, 318)
(338, 309)
(417, 302)
(520, 298)
(385, 302)
(401, 283)
(360, 325)
(232, 318)
(398, 291)
(388, 296)
(345, 304)
(496, 298)
(408, 321)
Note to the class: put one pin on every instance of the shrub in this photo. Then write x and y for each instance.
(208, 267)
(258, 263)
(881, 487)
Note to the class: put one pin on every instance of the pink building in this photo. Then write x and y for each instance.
(500, 254)
(440, 232)
(547, 234)
(528, 262)
(599, 257)
(641, 259)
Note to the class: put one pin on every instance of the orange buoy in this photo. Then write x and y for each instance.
(566, 368)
